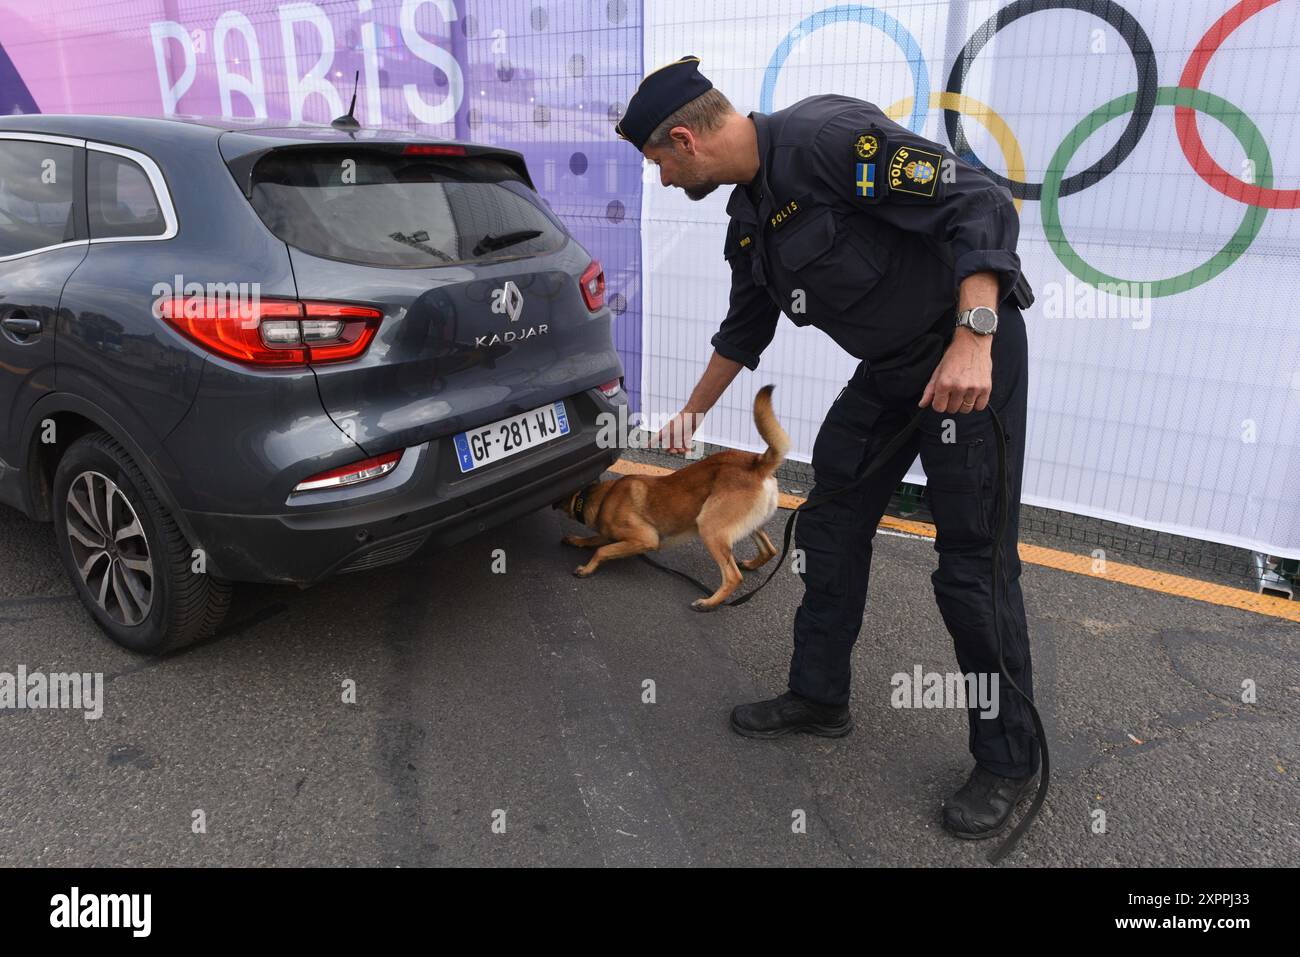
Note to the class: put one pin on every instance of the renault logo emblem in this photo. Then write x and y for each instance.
(508, 300)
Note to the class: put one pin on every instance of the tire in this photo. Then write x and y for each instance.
(139, 587)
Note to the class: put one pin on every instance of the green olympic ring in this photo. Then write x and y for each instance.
(1241, 127)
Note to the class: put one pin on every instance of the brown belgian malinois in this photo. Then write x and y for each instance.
(720, 499)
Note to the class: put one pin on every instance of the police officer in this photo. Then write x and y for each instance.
(906, 257)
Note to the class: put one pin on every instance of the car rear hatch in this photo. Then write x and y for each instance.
(480, 287)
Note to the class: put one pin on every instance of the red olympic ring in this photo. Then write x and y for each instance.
(1189, 137)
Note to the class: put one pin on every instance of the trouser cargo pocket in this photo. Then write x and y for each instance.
(822, 533)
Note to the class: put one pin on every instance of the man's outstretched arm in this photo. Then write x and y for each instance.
(718, 374)
(746, 331)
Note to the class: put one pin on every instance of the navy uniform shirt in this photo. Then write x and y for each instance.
(859, 227)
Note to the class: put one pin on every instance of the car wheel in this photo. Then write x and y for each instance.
(128, 560)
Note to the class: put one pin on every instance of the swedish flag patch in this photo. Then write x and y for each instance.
(866, 180)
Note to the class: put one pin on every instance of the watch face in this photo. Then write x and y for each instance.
(983, 320)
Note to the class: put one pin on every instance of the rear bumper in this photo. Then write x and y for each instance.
(435, 507)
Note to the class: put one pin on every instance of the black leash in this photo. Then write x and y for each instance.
(999, 574)
(1004, 497)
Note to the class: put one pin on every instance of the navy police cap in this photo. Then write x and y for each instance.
(660, 95)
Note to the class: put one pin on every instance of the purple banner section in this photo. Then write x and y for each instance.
(546, 77)
(14, 97)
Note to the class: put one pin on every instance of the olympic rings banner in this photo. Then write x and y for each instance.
(1153, 149)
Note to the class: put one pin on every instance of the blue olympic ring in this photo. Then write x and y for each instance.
(855, 14)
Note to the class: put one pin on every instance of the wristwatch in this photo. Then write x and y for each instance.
(981, 320)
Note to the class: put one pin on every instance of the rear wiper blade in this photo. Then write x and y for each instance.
(490, 242)
(416, 243)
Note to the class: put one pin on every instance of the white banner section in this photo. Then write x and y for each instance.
(1165, 342)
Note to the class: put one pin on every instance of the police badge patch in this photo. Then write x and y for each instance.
(915, 171)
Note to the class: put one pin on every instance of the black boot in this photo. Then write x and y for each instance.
(983, 805)
(789, 713)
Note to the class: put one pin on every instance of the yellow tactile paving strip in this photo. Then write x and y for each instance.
(1163, 582)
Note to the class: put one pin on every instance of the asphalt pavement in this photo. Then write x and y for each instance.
(533, 718)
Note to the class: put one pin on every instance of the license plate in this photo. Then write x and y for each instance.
(499, 440)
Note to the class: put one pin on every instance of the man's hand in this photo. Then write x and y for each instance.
(963, 380)
(676, 435)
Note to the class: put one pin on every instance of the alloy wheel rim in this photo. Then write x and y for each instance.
(109, 548)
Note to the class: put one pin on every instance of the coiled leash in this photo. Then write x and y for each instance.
(1004, 496)
(999, 574)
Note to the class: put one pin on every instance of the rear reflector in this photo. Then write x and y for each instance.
(593, 286)
(273, 332)
(364, 471)
(612, 388)
(426, 149)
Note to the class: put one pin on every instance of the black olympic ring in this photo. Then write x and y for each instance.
(1148, 88)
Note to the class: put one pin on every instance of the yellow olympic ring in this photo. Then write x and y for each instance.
(973, 108)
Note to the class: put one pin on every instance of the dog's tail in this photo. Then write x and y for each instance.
(778, 443)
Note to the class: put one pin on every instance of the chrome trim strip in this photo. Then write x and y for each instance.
(44, 249)
(41, 138)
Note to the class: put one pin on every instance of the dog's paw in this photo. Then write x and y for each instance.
(702, 604)
(581, 572)
(571, 539)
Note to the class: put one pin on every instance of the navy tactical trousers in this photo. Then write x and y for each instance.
(959, 454)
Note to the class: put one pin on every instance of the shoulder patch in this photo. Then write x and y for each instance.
(914, 171)
(866, 143)
(869, 148)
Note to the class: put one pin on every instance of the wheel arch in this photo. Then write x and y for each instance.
(74, 416)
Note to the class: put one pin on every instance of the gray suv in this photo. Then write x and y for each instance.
(276, 355)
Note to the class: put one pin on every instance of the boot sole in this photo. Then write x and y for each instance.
(986, 835)
(821, 730)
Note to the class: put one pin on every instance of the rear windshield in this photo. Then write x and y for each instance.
(386, 209)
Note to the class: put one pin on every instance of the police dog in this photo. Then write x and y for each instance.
(721, 499)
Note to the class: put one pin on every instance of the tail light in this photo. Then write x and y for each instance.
(612, 388)
(429, 149)
(593, 286)
(364, 471)
(273, 332)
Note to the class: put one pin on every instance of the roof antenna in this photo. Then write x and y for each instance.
(347, 122)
